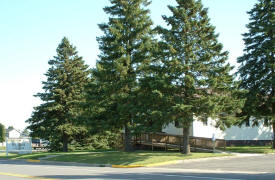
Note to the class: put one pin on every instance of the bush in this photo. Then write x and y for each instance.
(105, 140)
(55, 145)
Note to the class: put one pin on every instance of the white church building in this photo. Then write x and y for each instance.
(203, 129)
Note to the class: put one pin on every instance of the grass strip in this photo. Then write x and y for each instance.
(130, 158)
(114, 158)
(251, 149)
(38, 155)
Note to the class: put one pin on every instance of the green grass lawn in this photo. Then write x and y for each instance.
(251, 149)
(36, 155)
(117, 158)
(129, 158)
(3, 155)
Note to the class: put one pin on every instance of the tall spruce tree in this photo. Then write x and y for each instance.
(257, 66)
(154, 95)
(56, 119)
(2, 133)
(125, 49)
(100, 112)
(196, 68)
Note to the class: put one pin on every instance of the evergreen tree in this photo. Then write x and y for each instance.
(57, 118)
(257, 66)
(196, 68)
(10, 128)
(2, 133)
(99, 111)
(125, 49)
(25, 133)
(153, 95)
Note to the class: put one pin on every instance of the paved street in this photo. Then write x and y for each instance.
(246, 163)
(236, 168)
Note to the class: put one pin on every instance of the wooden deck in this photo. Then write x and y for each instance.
(170, 141)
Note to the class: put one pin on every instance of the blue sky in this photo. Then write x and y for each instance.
(30, 31)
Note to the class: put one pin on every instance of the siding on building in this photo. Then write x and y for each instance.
(172, 129)
(14, 134)
(248, 133)
(200, 129)
(207, 130)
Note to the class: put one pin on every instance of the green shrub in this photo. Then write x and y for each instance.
(105, 140)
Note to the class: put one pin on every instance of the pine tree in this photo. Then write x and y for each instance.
(257, 66)
(2, 133)
(25, 133)
(56, 119)
(100, 112)
(125, 49)
(153, 95)
(10, 128)
(196, 68)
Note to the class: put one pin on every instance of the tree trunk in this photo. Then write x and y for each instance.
(127, 139)
(273, 118)
(273, 103)
(273, 140)
(186, 145)
(65, 143)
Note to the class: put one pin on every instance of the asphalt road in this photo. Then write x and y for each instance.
(233, 168)
(258, 163)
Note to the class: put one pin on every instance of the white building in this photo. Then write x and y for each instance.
(17, 144)
(13, 133)
(200, 129)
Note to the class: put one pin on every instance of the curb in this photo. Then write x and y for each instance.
(131, 166)
(126, 166)
(33, 160)
(66, 163)
(164, 163)
(121, 166)
(113, 165)
(148, 165)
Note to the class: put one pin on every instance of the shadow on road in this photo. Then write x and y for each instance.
(174, 176)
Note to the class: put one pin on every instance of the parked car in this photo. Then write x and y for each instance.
(39, 143)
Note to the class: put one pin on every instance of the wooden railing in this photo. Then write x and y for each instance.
(170, 141)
